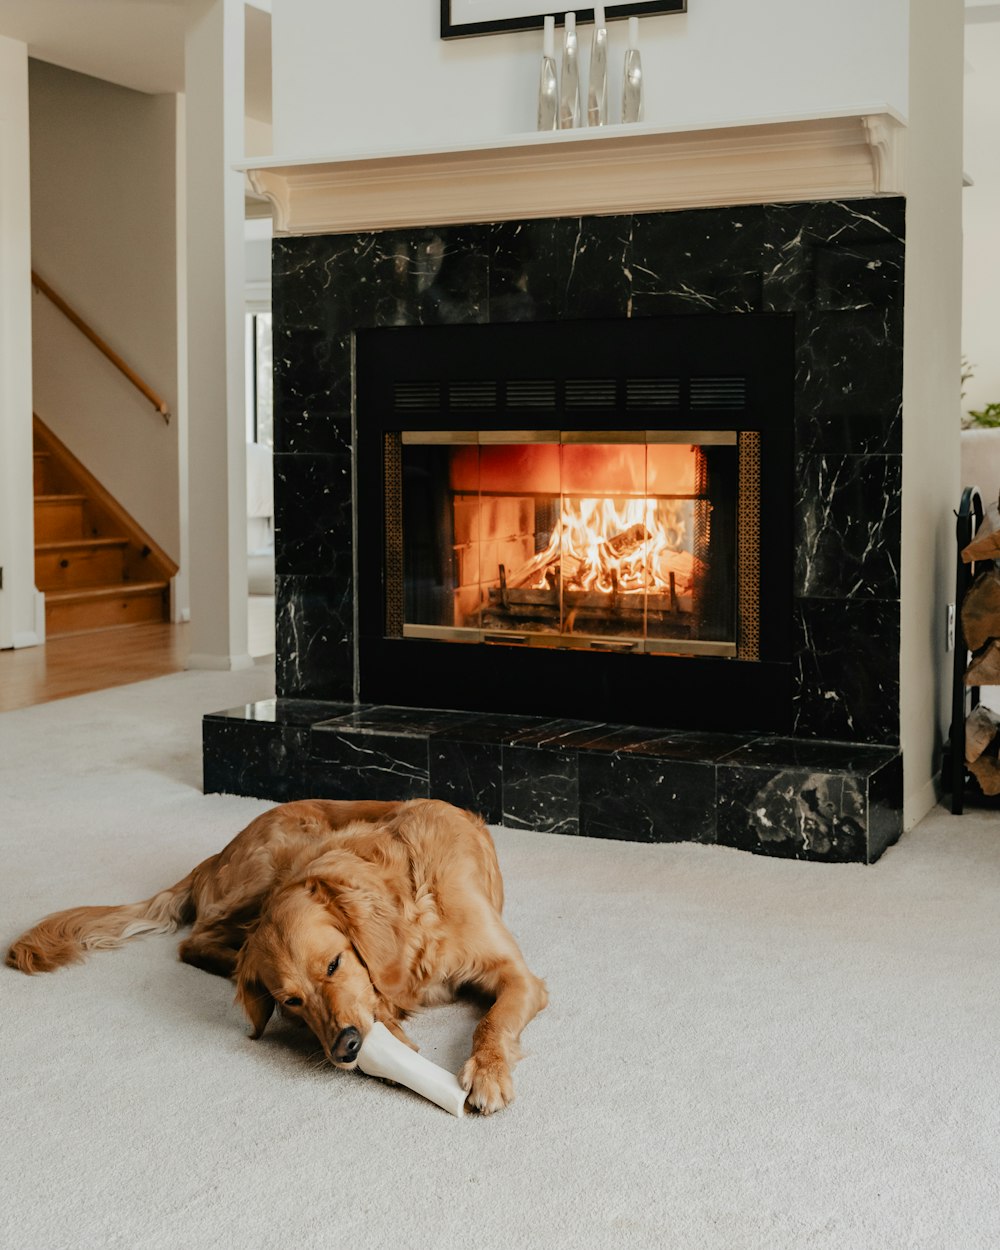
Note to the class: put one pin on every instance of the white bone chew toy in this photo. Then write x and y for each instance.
(385, 1056)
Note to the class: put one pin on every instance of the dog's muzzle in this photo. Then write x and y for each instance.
(346, 1047)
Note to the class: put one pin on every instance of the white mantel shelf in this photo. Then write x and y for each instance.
(616, 169)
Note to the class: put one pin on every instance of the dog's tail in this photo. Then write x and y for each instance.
(66, 937)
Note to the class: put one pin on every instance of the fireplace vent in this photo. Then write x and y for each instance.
(531, 393)
(473, 396)
(663, 394)
(590, 392)
(413, 396)
(728, 393)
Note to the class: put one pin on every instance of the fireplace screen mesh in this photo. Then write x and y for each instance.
(607, 540)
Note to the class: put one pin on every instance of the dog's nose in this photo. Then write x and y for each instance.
(347, 1045)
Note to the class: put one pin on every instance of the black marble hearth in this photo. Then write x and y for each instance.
(830, 790)
(826, 801)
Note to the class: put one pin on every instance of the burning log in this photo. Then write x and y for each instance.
(986, 544)
(981, 611)
(574, 568)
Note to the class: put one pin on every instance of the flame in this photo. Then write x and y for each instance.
(627, 544)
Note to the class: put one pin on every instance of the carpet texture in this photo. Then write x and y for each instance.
(739, 1052)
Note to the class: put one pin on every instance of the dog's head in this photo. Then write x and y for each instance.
(322, 952)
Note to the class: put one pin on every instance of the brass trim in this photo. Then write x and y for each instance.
(392, 479)
(602, 436)
(423, 437)
(748, 547)
(579, 642)
(518, 436)
(700, 438)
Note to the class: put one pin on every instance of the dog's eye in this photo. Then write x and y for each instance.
(293, 1002)
(333, 967)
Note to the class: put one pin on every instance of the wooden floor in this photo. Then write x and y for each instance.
(80, 663)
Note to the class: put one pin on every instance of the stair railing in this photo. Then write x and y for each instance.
(158, 402)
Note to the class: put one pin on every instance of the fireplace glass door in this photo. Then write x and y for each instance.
(624, 540)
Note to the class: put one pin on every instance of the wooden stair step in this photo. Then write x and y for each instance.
(104, 606)
(59, 516)
(42, 460)
(78, 562)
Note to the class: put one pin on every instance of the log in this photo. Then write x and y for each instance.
(986, 544)
(986, 770)
(985, 667)
(981, 611)
(981, 728)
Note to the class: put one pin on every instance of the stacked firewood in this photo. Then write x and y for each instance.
(981, 629)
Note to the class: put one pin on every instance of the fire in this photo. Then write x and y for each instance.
(623, 545)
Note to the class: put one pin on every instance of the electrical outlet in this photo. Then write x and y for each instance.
(950, 628)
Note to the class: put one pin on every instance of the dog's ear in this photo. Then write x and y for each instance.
(251, 992)
(367, 922)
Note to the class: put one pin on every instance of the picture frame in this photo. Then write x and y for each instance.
(461, 19)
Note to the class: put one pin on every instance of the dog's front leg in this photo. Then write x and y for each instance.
(519, 997)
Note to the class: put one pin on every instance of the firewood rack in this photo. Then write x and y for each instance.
(963, 698)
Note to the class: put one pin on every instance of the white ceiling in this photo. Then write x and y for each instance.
(134, 43)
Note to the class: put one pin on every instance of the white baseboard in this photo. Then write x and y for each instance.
(220, 663)
(916, 806)
(33, 637)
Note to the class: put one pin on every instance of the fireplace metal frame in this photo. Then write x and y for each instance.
(547, 363)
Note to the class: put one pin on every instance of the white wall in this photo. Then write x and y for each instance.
(21, 624)
(376, 75)
(981, 214)
(104, 229)
(932, 338)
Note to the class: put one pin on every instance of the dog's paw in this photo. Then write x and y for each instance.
(488, 1082)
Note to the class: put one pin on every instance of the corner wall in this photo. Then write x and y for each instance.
(932, 349)
(21, 621)
(104, 235)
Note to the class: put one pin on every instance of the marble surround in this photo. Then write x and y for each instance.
(838, 267)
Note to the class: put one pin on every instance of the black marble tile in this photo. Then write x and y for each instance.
(812, 755)
(313, 532)
(498, 728)
(312, 380)
(524, 271)
(255, 758)
(847, 526)
(885, 808)
(364, 765)
(849, 368)
(847, 670)
(563, 735)
(707, 260)
(833, 254)
(294, 712)
(380, 718)
(793, 813)
(468, 774)
(693, 747)
(304, 426)
(541, 789)
(639, 798)
(314, 638)
(592, 267)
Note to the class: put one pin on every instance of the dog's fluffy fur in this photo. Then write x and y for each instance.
(341, 914)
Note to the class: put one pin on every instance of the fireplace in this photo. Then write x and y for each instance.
(629, 553)
(719, 391)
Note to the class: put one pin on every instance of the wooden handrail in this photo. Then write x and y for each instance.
(157, 401)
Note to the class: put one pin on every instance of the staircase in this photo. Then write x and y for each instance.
(95, 565)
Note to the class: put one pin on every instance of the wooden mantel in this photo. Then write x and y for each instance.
(612, 170)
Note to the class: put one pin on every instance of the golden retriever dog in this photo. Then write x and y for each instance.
(340, 914)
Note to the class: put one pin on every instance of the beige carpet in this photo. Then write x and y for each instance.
(739, 1052)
